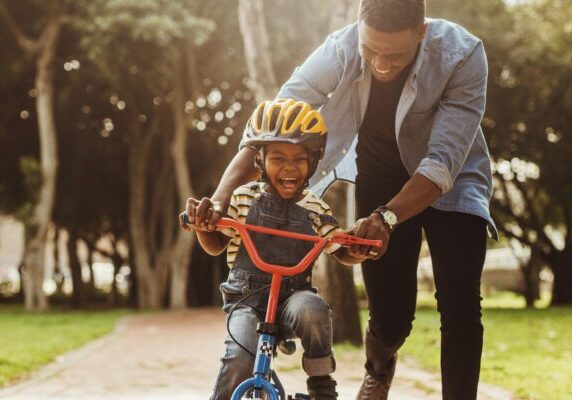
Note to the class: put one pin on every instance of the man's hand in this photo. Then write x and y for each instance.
(203, 214)
(373, 228)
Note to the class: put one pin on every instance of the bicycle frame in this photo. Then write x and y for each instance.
(260, 382)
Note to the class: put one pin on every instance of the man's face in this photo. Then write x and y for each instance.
(387, 54)
(287, 167)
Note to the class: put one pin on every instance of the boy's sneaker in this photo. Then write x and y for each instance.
(322, 388)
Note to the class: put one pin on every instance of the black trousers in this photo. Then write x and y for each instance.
(457, 243)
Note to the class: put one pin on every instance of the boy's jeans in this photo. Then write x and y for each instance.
(303, 314)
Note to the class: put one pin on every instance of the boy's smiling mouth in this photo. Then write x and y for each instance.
(289, 184)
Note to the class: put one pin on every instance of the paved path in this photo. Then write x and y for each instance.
(175, 355)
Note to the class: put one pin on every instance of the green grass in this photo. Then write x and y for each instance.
(30, 340)
(528, 351)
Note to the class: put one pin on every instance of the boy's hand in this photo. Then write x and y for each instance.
(203, 214)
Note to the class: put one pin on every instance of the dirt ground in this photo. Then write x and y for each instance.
(175, 356)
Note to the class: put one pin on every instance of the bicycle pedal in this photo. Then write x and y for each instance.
(299, 396)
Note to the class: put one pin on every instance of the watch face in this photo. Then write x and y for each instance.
(390, 217)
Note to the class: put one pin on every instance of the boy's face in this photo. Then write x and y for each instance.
(287, 167)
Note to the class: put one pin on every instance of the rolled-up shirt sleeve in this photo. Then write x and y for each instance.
(317, 77)
(456, 121)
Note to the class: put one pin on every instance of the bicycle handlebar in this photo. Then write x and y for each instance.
(319, 243)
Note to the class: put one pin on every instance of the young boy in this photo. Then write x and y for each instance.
(290, 139)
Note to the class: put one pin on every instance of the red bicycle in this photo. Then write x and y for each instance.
(264, 378)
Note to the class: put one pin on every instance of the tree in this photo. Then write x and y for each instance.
(334, 281)
(527, 124)
(258, 58)
(337, 281)
(158, 112)
(42, 51)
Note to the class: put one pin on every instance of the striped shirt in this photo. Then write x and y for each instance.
(242, 199)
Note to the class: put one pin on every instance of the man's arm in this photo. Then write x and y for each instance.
(415, 196)
(455, 125)
(240, 171)
(456, 121)
(317, 77)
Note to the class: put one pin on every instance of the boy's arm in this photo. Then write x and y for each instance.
(241, 170)
(213, 243)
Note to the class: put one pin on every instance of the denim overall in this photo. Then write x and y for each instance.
(301, 312)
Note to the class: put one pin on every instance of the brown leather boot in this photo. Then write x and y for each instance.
(322, 388)
(376, 388)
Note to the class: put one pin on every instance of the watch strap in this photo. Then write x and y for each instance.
(380, 211)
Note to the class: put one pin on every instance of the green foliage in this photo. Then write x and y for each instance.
(139, 39)
(523, 349)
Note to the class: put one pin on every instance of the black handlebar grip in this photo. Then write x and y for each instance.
(185, 218)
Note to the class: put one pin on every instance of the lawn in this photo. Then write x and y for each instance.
(30, 340)
(526, 351)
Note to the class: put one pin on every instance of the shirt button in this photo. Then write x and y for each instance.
(344, 151)
(324, 173)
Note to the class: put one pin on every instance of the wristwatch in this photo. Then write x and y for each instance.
(387, 216)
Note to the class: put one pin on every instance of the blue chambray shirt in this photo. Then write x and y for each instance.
(438, 117)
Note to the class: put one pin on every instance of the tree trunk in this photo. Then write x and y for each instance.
(561, 266)
(58, 275)
(150, 287)
(262, 80)
(184, 243)
(34, 258)
(531, 275)
(91, 282)
(335, 281)
(78, 294)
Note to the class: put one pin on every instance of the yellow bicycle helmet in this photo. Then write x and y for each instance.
(288, 121)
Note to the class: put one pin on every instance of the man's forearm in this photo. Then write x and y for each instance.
(241, 170)
(415, 196)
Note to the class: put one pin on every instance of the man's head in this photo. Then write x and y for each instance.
(296, 135)
(389, 34)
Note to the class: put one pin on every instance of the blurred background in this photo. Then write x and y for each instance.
(113, 112)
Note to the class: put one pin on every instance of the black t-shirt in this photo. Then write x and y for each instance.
(378, 161)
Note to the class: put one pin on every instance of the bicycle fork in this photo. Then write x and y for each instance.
(260, 382)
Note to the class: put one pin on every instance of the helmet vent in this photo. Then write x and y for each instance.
(292, 118)
(312, 124)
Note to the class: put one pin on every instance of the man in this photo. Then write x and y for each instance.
(413, 91)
